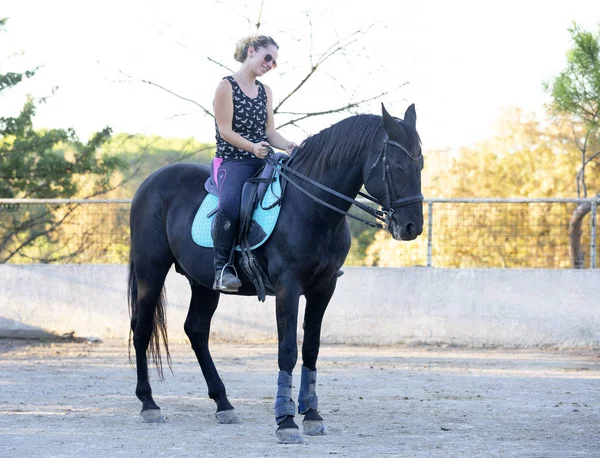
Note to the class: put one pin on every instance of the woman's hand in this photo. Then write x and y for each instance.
(290, 147)
(261, 149)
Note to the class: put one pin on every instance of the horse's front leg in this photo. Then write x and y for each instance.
(287, 298)
(308, 402)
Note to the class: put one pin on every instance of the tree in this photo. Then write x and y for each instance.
(31, 167)
(576, 95)
(526, 158)
(146, 154)
(324, 63)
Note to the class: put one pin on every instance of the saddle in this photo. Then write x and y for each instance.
(259, 209)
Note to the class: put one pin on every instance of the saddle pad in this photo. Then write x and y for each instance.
(266, 219)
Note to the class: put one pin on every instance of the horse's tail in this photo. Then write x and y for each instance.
(159, 322)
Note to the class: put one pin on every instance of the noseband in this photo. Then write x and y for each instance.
(384, 215)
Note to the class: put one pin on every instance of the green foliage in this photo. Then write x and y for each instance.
(576, 96)
(32, 167)
(527, 158)
(146, 154)
(576, 90)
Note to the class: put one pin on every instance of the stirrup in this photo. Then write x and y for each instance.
(231, 288)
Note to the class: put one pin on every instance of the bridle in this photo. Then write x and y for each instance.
(384, 215)
(389, 205)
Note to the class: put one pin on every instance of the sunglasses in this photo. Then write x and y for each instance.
(269, 58)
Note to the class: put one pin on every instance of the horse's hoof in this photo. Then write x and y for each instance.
(152, 416)
(289, 436)
(228, 417)
(314, 428)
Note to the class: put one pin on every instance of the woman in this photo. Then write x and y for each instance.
(245, 129)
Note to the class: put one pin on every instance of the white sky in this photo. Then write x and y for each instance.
(464, 61)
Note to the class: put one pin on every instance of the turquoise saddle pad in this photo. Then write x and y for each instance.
(266, 219)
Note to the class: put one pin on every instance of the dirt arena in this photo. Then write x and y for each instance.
(77, 399)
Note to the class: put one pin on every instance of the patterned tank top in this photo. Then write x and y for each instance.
(249, 120)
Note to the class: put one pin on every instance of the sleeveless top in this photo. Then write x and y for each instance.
(249, 120)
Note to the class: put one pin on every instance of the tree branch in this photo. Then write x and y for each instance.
(592, 157)
(580, 177)
(302, 116)
(29, 240)
(230, 8)
(20, 226)
(328, 53)
(172, 93)
(220, 64)
(296, 89)
(260, 11)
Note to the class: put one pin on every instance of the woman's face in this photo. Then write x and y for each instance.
(263, 59)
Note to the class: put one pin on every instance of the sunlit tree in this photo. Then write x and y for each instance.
(31, 167)
(576, 95)
(527, 158)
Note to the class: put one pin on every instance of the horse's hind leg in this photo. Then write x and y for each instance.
(144, 326)
(308, 402)
(197, 327)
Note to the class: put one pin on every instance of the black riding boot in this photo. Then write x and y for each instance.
(224, 239)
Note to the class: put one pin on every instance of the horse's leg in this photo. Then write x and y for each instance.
(149, 297)
(308, 402)
(197, 327)
(287, 298)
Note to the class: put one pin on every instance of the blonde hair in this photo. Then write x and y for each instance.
(256, 41)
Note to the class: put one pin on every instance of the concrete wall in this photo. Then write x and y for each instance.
(510, 307)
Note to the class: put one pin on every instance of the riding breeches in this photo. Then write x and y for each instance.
(231, 174)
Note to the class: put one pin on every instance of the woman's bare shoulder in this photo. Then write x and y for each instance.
(224, 88)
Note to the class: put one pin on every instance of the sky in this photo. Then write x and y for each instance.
(462, 63)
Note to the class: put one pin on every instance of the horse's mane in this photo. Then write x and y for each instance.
(342, 143)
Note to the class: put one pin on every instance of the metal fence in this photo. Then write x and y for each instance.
(504, 233)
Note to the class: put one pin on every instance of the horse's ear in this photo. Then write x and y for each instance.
(410, 116)
(388, 122)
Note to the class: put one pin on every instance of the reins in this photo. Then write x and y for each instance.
(384, 215)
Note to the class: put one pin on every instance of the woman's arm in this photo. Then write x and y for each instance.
(274, 137)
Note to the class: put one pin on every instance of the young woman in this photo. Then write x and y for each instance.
(245, 129)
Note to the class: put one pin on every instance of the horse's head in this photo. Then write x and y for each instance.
(393, 175)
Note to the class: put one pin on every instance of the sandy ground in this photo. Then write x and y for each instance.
(77, 399)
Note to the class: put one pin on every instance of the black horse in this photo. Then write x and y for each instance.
(302, 257)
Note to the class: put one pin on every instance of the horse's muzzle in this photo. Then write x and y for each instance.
(406, 231)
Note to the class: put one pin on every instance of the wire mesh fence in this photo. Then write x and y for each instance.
(64, 231)
(501, 233)
(504, 233)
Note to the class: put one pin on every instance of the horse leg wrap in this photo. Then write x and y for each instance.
(284, 404)
(307, 398)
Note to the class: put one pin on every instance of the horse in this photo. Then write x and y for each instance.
(303, 255)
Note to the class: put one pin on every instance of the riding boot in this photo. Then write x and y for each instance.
(224, 241)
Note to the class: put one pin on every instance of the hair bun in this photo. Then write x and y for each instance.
(256, 41)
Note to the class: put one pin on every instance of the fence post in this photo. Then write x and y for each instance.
(430, 235)
(593, 237)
